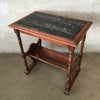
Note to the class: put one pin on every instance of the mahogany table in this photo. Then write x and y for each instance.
(60, 30)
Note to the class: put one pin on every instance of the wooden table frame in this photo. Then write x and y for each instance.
(73, 63)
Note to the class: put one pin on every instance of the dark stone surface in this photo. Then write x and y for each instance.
(56, 25)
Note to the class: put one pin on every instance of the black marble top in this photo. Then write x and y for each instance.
(56, 25)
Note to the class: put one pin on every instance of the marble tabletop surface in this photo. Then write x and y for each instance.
(56, 25)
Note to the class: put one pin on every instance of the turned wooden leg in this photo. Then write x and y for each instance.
(81, 52)
(22, 50)
(71, 51)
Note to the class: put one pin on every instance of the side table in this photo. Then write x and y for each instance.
(60, 30)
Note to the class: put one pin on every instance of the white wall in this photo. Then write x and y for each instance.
(12, 10)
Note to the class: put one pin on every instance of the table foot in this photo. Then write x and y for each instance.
(26, 72)
(78, 70)
(66, 92)
(30, 67)
(73, 75)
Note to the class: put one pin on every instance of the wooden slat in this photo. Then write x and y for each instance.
(48, 62)
(49, 54)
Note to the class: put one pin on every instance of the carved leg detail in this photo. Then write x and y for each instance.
(81, 52)
(71, 51)
(73, 73)
(21, 48)
(28, 68)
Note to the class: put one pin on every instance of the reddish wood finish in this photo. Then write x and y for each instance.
(48, 54)
(81, 52)
(52, 38)
(37, 52)
(21, 47)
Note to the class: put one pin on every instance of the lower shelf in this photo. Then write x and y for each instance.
(48, 62)
(49, 56)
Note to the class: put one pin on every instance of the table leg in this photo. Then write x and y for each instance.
(73, 73)
(81, 52)
(22, 50)
(71, 51)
